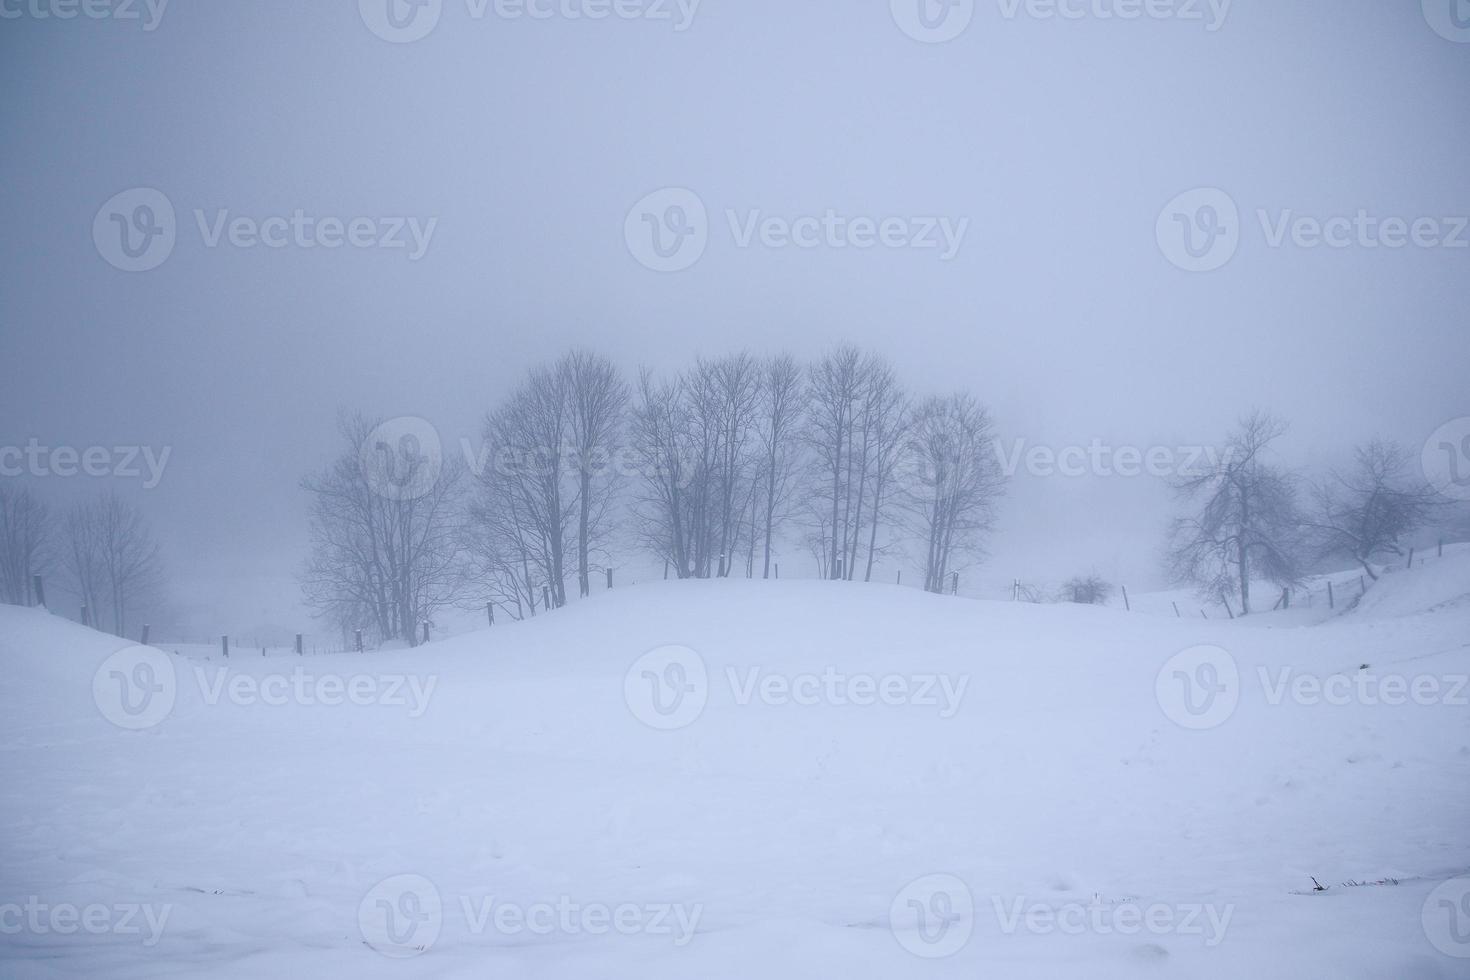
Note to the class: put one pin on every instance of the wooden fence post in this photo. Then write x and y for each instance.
(357, 636)
(1127, 606)
(954, 588)
(298, 644)
(1177, 613)
(1411, 559)
(1331, 601)
(609, 578)
(85, 620)
(40, 590)
(490, 612)
(1227, 607)
(224, 645)
(144, 640)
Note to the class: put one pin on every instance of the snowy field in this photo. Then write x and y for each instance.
(736, 779)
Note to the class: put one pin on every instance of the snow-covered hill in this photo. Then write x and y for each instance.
(730, 778)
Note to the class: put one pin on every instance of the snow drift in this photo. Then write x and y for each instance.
(726, 778)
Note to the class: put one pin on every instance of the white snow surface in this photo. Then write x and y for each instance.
(251, 839)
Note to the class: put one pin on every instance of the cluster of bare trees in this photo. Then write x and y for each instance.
(24, 544)
(1256, 519)
(383, 523)
(103, 547)
(711, 470)
(738, 450)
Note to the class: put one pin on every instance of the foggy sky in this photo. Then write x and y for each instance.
(529, 140)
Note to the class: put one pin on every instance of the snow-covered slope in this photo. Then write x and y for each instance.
(716, 779)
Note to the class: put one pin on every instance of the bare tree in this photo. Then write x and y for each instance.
(598, 399)
(780, 421)
(385, 534)
(1364, 513)
(835, 394)
(111, 559)
(954, 483)
(663, 440)
(528, 438)
(24, 544)
(884, 428)
(734, 382)
(1249, 522)
(500, 562)
(1088, 590)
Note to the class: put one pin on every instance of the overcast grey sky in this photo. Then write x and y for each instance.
(1058, 139)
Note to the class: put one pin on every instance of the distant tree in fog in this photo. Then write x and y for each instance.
(24, 543)
(1248, 522)
(883, 428)
(953, 483)
(533, 479)
(778, 427)
(834, 398)
(731, 388)
(111, 560)
(385, 537)
(1364, 513)
(598, 400)
(1089, 590)
(663, 439)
